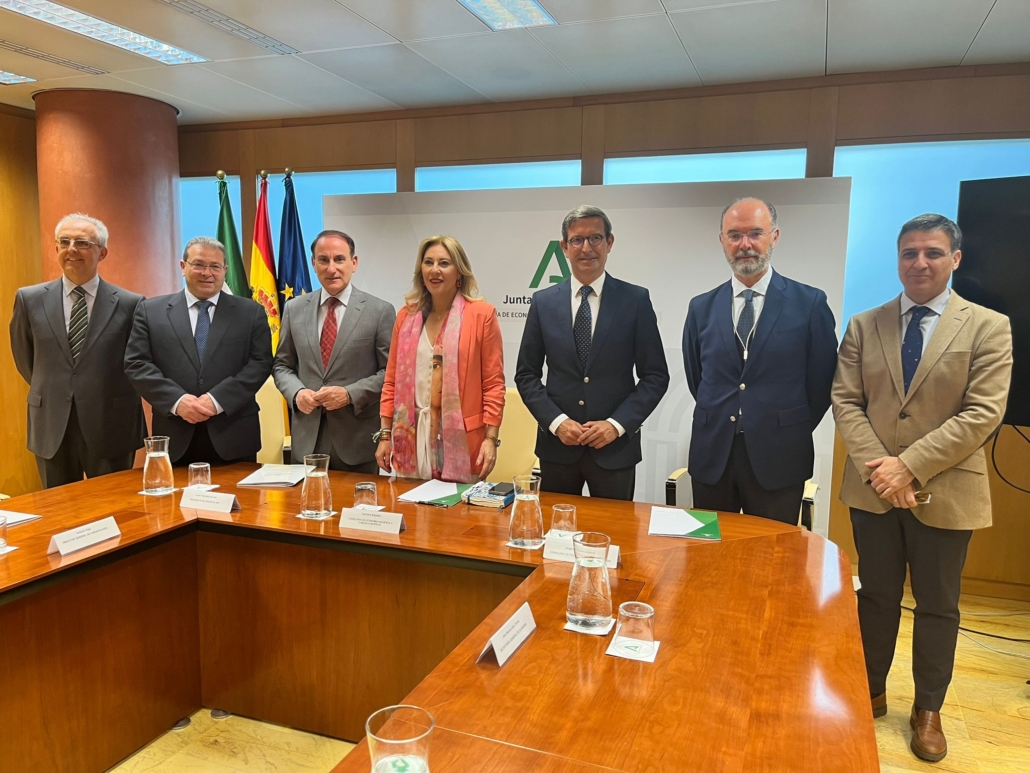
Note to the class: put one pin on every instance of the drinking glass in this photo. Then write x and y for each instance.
(3, 531)
(200, 475)
(365, 494)
(398, 739)
(526, 529)
(316, 501)
(590, 593)
(634, 633)
(157, 469)
(563, 519)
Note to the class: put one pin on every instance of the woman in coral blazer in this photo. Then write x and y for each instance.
(443, 397)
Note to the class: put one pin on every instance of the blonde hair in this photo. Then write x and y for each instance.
(419, 299)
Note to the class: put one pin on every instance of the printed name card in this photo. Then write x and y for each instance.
(364, 519)
(84, 536)
(558, 547)
(510, 636)
(198, 499)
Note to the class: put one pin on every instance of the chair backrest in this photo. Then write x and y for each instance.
(273, 423)
(516, 454)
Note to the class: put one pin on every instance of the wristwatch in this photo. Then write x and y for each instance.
(495, 440)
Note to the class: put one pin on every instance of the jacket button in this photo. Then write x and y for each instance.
(582, 403)
(903, 416)
(741, 387)
(733, 418)
(586, 379)
(201, 381)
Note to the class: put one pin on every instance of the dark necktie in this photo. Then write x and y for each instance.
(746, 321)
(78, 323)
(912, 347)
(581, 328)
(203, 327)
(328, 339)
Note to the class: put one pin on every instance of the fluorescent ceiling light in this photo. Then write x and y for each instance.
(509, 14)
(98, 29)
(9, 78)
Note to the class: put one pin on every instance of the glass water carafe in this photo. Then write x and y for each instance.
(157, 469)
(526, 529)
(590, 593)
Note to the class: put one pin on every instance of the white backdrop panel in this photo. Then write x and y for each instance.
(666, 239)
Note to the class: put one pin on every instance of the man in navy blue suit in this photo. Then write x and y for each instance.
(760, 352)
(592, 330)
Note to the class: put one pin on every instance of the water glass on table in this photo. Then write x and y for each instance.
(157, 469)
(634, 633)
(365, 493)
(398, 739)
(200, 475)
(526, 528)
(316, 501)
(589, 604)
(563, 519)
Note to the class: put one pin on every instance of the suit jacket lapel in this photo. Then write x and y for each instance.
(606, 312)
(225, 313)
(771, 309)
(309, 326)
(179, 316)
(53, 304)
(564, 300)
(954, 317)
(724, 323)
(888, 322)
(103, 309)
(347, 324)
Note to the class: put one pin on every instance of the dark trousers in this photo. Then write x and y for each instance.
(935, 557)
(738, 490)
(200, 449)
(324, 445)
(569, 478)
(73, 459)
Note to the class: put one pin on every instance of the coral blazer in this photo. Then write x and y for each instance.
(480, 373)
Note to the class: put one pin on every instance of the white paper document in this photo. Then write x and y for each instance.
(275, 475)
(429, 491)
(198, 499)
(672, 522)
(8, 549)
(13, 518)
(84, 536)
(510, 635)
(626, 649)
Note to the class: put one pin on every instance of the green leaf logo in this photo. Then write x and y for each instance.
(553, 251)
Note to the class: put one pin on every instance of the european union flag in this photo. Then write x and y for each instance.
(293, 277)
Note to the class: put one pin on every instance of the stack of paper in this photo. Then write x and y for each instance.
(437, 493)
(275, 476)
(14, 518)
(676, 522)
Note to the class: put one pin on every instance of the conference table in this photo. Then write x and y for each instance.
(314, 626)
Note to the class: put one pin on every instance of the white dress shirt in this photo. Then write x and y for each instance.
(929, 322)
(191, 305)
(323, 309)
(594, 302)
(69, 299)
(761, 289)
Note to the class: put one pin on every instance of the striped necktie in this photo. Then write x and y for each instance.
(78, 323)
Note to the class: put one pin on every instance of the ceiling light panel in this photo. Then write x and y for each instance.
(509, 14)
(231, 25)
(9, 78)
(98, 29)
(51, 58)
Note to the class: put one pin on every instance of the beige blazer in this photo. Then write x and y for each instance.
(954, 404)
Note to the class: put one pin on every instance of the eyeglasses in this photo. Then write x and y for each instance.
(80, 244)
(200, 268)
(736, 236)
(594, 239)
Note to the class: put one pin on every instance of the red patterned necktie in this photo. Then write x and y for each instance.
(328, 339)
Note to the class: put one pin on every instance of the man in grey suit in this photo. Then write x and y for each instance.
(68, 338)
(331, 362)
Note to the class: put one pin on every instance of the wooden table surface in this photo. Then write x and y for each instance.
(760, 665)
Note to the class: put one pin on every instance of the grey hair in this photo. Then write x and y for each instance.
(768, 206)
(582, 212)
(934, 222)
(76, 216)
(204, 241)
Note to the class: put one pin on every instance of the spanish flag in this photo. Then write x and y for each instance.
(262, 266)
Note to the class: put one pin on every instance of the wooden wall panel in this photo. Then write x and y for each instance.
(483, 137)
(204, 153)
(19, 266)
(326, 146)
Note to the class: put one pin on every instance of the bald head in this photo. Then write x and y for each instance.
(748, 236)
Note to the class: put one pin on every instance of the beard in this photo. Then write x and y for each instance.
(756, 265)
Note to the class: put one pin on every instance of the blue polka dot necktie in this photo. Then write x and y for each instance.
(581, 329)
(912, 347)
(203, 328)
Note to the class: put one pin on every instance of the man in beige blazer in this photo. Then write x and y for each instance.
(921, 386)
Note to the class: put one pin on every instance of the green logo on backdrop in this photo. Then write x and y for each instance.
(553, 251)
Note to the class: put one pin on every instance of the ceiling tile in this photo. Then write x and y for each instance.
(565, 11)
(867, 35)
(30, 66)
(1005, 36)
(755, 42)
(418, 21)
(688, 5)
(642, 52)
(397, 74)
(502, 66)
(301, 83)
(307, 25)
(112, 83)
(19, 94)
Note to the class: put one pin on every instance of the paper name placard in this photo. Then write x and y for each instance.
(510, 635)
(208, 500)
(84, 536)
(364, 519)
(558, 547)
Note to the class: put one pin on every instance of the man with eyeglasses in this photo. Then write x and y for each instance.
(68, 338)
(759, 352)
(331, 361)
(199, 357)
(591, 330)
